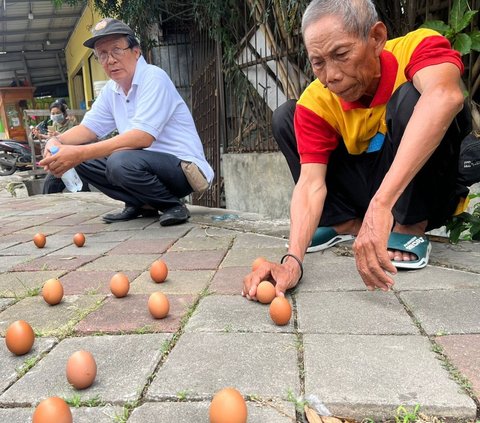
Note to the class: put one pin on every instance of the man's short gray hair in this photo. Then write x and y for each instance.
(358, 15)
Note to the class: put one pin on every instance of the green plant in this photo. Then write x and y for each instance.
(461, 16)
(13, 186)
(27, 365)
(76, 401)
(182, 395)
(299, 402)
(403, 415)
(465, 226)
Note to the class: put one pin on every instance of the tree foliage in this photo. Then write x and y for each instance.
(460, 19)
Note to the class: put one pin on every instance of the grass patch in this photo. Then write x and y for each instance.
(404, 415)
(125, 413)
(27, 365)
(76, 401)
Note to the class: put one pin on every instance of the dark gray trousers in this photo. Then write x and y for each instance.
(138, 178)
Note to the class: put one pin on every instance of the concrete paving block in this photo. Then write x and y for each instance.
(51, 262)
(201, 230)
(203, 243)
(245, 257)
(140, 223)
(362, 376)
(330, 273)
(7, 241)
(194, 260)
(352, 313)
(122, 263)
(200, 364)
(19, 284)
(16, 415)
(111, 317)
(142, 246)
(73, 219)
(93, 227)
(89, 249)
(432, 277)
(46, 319)
(464, 352)
(124, 364)
(227, 313)
(5, 302)
(7, 263)
(177, 282)
(91, 281)
(229, 280)
(244, 241)
(104, 414)
(30, 249)
(157, 232)
(111, 236)
(48, 229)
(11, 364)
(189, 412)
(445, 312)
(463, 256)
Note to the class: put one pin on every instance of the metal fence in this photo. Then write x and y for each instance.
(266, 67)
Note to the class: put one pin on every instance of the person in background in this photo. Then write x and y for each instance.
(372, 144)
(70, 117)
(157, 157)
(61, 122)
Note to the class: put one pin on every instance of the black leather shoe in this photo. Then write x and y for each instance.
(129, 213)
(174, 216)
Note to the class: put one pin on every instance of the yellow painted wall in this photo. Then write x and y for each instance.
(79, 60)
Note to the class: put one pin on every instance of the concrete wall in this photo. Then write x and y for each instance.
(258, 182)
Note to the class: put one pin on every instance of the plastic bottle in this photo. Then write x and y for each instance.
(70, 178)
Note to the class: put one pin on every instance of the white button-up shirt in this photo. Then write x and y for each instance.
(152, 105)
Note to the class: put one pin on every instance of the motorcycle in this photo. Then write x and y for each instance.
(15, 155)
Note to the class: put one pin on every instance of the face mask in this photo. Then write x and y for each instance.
(57, 118)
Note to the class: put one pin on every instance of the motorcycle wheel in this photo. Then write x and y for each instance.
(7, 164)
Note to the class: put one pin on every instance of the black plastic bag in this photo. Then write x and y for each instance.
(469, 160)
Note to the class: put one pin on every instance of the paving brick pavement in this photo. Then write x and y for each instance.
(362, 354)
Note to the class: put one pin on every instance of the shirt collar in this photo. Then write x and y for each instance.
(388, 69)
(141, 65)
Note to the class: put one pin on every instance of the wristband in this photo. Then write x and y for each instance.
(298, 261)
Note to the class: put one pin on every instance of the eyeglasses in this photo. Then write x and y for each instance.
(117, 53)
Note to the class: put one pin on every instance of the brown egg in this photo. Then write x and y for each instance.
(79, 239)
(81, 369)
(258, 262)
(265, 292)
(53, 409)
(19, 337)
(228, 406)
(158, 271)
(158, 305)
(280, 311)
(119, 285)
(52, 291)
(40, 240)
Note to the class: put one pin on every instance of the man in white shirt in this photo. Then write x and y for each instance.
(142, 166)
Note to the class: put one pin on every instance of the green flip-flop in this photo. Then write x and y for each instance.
(418, 245)
(325, 237)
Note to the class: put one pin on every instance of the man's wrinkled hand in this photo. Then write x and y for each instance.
(66, 158)
(370, 250)
(283, 277)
